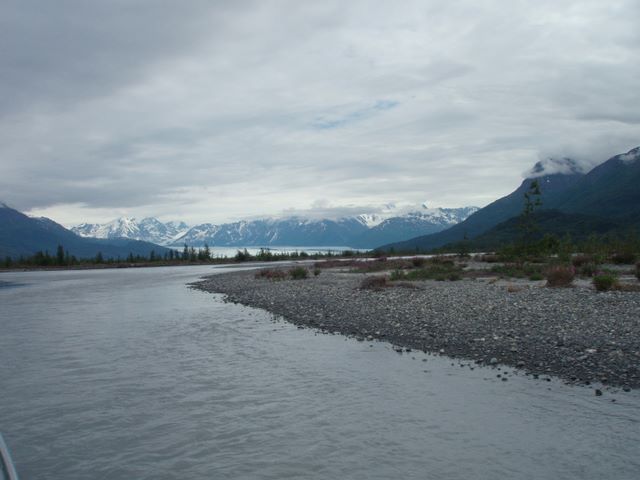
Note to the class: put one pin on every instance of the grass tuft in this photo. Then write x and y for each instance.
(298, 273)
(604, 282)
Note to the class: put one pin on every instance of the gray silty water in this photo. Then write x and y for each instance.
(126, 374)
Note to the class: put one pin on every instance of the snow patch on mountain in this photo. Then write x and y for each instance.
(390, 221)
(149, 229)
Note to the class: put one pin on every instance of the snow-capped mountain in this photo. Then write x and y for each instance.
(388, 224)
(362, 231)
(148, 229)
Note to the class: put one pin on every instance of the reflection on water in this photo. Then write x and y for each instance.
(126, 374)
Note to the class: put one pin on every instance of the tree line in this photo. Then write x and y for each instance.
(188, 256)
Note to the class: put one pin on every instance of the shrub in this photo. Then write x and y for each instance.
(379, 266)
(536, 276)
(623, 258)
(316, 271)
(580, 260)
(441, 260)
(605, 281)
(271, 274)
(374, 282)
(418, 262)
(517, 270)
(298, 273)
(438, 272)
(560, 276)
(589, 269)
(398, 275)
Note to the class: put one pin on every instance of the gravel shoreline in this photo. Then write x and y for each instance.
(574, 333)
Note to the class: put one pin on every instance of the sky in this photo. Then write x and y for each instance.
(209, 111)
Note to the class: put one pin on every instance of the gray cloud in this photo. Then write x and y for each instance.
(211, 111)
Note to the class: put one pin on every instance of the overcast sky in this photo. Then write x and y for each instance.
(215, 111)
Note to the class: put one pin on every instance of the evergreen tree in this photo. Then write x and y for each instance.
(99, 258)
(59, 255)
(528, 226)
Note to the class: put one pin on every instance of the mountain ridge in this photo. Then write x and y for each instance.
(610, 189)
(358, 231)
(21, 235)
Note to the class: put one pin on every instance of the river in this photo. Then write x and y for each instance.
(130, 374)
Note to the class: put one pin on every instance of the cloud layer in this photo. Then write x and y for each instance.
(211, 111)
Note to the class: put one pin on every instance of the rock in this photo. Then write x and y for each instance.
(493, 361)
(598, 392)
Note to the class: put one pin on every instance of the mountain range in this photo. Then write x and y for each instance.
(604, 199)
(389, 224)
(23, 235)
(148, 229)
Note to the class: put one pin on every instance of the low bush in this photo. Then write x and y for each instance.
(439, 272)
(489, 258)
(380, 266)
(560, 276)
(589, 269)
(377, 282)
(454, 277)
(623, 258)
(605, 281)
(580, 260)
(441, 260)
(271, 274)
(316, 271)
(536, 276)
(298, 273)
(517, 270)
(418, 261)
(336, 263)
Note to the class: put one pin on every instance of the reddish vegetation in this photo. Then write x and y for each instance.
(374, 283)
(560, 276)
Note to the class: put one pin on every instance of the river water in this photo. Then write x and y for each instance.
(129, 374)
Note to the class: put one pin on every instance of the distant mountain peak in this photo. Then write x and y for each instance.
(556, 166)
(631, 156)
(148, 229)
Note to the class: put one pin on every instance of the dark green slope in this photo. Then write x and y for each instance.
(552, 186)
(610, 191)
(23, 235)
(554, 222)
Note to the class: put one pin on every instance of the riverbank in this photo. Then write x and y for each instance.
(575, 333)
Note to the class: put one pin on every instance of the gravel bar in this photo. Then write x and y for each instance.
(575, 333)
